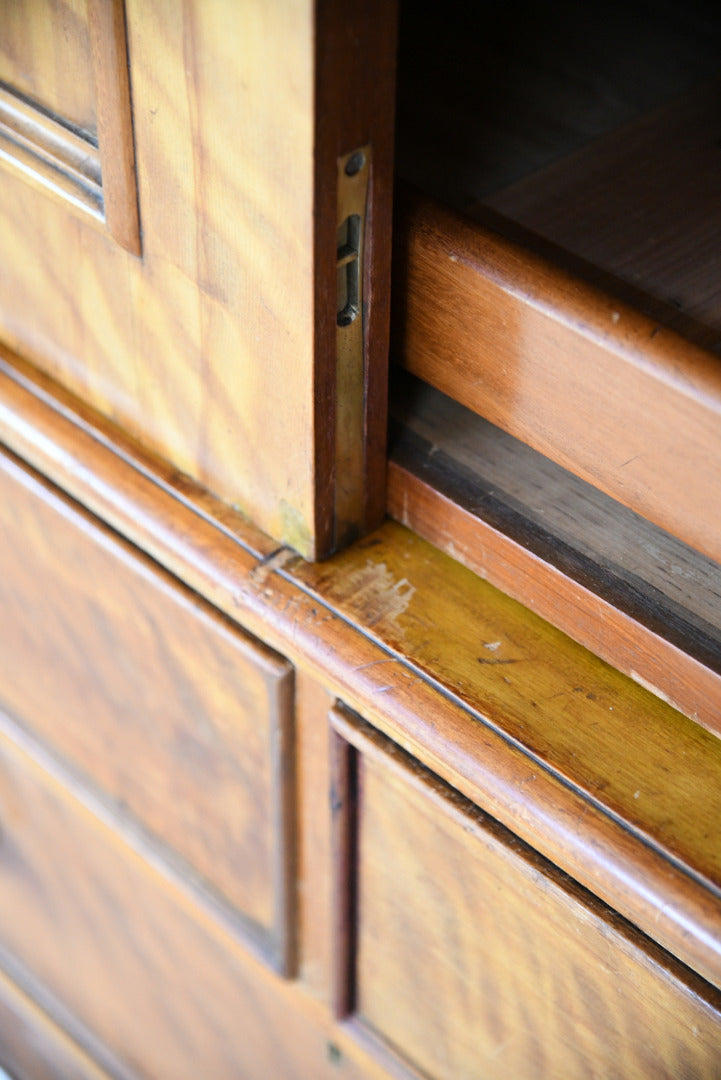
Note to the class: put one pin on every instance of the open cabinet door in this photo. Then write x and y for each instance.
(194, 201)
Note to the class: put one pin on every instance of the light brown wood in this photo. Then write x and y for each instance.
(646, 655)
(184, 724)
(217, 350)
(147, 972)
(45, 55)
(106, 25)
(600, 389)
(476, 958)
(43, 141)
(636, 596)
(409, 661)
(32, 1047)
(49, 155)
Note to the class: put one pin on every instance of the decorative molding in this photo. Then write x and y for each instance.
(95, 176)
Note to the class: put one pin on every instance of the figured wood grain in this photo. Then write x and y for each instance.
(149, 974)
(563, 774)
(535, 977)
(637, 597)
(43, 141)
(217, 349)
(597, 387)
(45, 55)
(185, 724)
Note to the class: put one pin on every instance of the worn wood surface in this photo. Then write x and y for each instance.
(217, 350)
(476, 958)
(181, 721)
(599, 388)
(633, 594)
(148, 973)
(393, 629)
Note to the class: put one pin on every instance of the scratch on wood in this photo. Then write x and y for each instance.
(270, 563)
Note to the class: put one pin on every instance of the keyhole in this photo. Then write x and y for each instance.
(348, 263)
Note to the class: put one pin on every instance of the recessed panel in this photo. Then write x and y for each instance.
(179, 720)
(473, 957)
(45, 56)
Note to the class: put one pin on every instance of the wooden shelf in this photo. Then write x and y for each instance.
(636, 596)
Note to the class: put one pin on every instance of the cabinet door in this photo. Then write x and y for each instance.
(169, 241)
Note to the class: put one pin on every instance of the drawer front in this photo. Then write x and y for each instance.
(137, 966)
(180, 720)
(473, 957)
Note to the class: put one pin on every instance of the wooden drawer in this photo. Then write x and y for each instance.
(180, 720)
(468, 955)
(135, 969)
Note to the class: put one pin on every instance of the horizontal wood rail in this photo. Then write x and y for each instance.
(635, 596)
(613, 396)
(607, 781)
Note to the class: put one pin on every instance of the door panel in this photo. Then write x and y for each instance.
(214, 348)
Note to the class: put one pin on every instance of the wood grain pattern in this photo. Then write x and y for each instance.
(316, 956)
(563, 774)
(49, 155)
(639, 204)
(355, 84)
(643, 601)
(43, 141)
(109, 50)
(183, 723)
(217, 350)
(533, 976)
(148, 973)
(45, 55)
(600, 389)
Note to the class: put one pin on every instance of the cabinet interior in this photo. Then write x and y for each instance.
(589, 135)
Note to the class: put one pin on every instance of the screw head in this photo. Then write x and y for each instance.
(355, 163)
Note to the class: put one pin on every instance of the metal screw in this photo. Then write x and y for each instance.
(355, 163)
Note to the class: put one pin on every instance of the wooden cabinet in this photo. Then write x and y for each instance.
(384, 814)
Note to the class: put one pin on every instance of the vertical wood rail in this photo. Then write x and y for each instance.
(354, 115)
(109, 49)
(354, 171)
(343, 818)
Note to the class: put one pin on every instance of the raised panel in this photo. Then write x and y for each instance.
(150, 978)
(182, 722)
(470, 956)
(65, 111)
(45, 57)
(217, 349)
